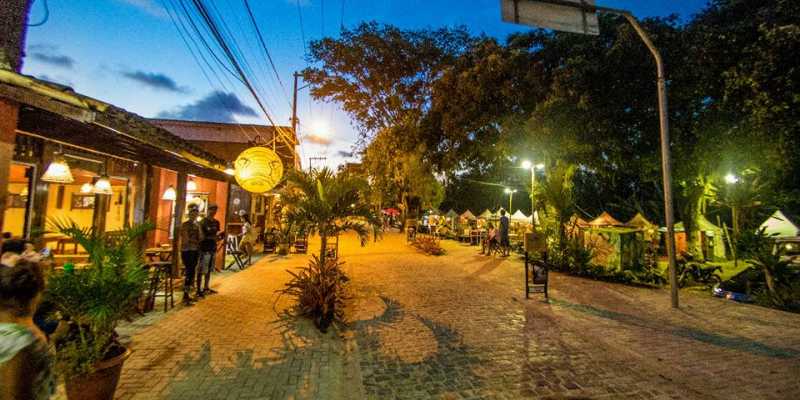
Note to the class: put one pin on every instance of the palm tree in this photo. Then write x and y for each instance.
(555, 191)
(324, 203)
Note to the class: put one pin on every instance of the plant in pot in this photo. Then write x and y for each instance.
(285, 237)
(91, 301)
(321, 202)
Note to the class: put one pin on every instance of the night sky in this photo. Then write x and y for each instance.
(128, 52)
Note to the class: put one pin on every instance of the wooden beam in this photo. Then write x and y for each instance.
(180, 204)
(31, 98)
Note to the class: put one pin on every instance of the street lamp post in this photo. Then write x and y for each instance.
(510, 197)
(529, 165)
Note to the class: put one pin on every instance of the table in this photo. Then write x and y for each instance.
(158, 253)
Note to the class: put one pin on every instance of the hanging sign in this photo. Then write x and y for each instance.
(258, 169)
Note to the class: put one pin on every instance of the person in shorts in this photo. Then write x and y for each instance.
(210, 227)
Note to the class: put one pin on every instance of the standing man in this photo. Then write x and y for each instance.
(190, 250)
(504, 242)
(208, 250)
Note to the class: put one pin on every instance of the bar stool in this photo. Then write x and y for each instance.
(161, 272)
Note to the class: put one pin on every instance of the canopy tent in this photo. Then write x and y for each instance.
(468, 215)
(486, 214)
(605, 219)
(520, 216)
(779, 225)
(451, 214)
(639, 221)
(577, 221)
(391, 211)
(711, 241)
(433, 211)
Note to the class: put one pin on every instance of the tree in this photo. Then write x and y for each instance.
(380, 74)
(323, 203)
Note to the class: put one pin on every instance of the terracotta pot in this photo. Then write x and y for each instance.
(100, 384)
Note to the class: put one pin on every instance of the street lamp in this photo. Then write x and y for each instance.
(732, 179)
(527, 164)
(510, 197)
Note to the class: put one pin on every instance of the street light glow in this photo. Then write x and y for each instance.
(731, 178)
(540, 166)
(526, 164)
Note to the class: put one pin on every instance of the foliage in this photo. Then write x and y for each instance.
(94, 299)
(380, 74)
(428, 245)
(324, 203)
(780, 279)
(556, 192)
(320, 291)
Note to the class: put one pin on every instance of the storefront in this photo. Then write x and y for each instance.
(78, 159)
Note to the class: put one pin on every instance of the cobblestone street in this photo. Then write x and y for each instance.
(458, 327)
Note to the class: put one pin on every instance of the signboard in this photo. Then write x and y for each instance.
(560, 15)
(536, 275)
(535, 242)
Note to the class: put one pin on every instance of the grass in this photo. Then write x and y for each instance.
(729, 270)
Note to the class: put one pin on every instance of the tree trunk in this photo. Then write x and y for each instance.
(770, 280)
(324, 239)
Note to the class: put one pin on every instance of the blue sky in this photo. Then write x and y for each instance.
(127, 52)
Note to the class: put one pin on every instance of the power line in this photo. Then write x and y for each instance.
(46, 16)
(266, 51)
(302, 30)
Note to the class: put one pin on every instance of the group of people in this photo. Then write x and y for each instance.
(498, 238)
(199, 239)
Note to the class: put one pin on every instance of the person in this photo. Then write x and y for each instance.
(491, 239)
(191, 235)
(246, 237)
(505, 244)
(26, 360)
(208, 249)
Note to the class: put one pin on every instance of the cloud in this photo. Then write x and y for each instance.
(217, 106)
(149, 7)
(47, 54)
(155, 81)
(344, 154)
(317, 139)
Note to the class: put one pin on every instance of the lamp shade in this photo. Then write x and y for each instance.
(258, 169)
(103, 186)
(170, 194)
(58, 171)
(229, 169)
(87, 188)
(191, 186)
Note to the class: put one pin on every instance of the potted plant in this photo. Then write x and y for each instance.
(285, 238)
(324, 203)
(91, 301)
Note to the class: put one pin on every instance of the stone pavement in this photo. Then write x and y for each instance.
(458, 327)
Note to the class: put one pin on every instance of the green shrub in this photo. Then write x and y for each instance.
(320, 290)
(93, 300)
(428, 245)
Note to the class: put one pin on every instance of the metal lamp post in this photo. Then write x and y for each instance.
(580, 16)
(530, 166)
(510, 197)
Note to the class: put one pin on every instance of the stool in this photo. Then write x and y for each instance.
(161, 271)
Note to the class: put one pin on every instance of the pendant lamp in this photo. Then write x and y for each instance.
(58, 171)
(170, 194)
(103, 185)
(87, 188)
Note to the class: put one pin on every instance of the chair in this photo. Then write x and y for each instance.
(332, 247)
(270, 243)
(233, 249)
(301, 244)
(160, 272)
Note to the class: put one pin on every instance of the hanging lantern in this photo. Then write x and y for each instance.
(58, 171)
(191, 186)
(258, 169)
(24, 192)
(170, 194)
(87, 188)
(103, 185)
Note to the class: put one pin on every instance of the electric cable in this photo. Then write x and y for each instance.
(45, 18)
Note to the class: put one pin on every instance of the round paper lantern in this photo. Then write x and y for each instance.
(258, 169)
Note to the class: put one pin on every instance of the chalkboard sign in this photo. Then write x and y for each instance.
(536, 275)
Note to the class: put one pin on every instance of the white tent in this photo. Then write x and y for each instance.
(780, 225)
(486, 214)
(468, 215)
(520, 216)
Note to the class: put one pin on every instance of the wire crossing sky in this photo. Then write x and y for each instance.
(149, 57)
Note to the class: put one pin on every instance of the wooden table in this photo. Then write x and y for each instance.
(158, 253)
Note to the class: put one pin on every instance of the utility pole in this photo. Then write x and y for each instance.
(294, 105)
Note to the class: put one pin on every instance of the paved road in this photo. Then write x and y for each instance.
(458, 327)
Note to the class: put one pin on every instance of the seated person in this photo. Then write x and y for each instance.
(490, 241)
